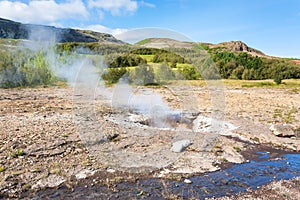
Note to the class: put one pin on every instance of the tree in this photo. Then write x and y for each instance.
(237, 73)
(189, 73)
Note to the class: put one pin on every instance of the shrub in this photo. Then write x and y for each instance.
(113, 75)
(24, 69)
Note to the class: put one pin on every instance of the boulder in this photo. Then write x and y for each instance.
(84, 174)
(180, 146)
(51, 181)
(282, 130)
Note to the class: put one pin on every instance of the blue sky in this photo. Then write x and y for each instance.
(272, 26)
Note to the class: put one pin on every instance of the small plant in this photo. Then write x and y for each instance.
(55, 171)
(289, 118)
(17, 153)
(2, 168)
(237, 149)
(277, 113)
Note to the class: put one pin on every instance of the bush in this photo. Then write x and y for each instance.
(189, 73)
(127, 60)
(24, 69)
(113, 75)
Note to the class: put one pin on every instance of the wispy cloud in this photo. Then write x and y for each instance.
(44, 11)
(104, 29)
(146, 4)
(115, 7)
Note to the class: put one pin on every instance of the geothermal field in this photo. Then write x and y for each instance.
(149, 142)
(88, 116)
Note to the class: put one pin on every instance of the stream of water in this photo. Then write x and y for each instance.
(238, 178)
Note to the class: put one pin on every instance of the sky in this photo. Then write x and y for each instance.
(272, 26)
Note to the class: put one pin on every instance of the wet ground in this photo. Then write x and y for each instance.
(266, 165)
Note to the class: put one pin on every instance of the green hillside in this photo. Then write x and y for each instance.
(20, 66)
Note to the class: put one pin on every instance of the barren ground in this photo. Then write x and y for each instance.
(40, 145)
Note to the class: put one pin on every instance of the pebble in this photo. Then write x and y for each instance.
(111, 170)
(187, 181)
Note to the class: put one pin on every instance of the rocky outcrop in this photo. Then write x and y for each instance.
(16, 30)
(235, 46)
(282, 130)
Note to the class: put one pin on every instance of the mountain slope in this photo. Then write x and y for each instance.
(164, 43)
(16, 30)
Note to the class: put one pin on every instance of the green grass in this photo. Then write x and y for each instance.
(149, 58)
(145, 41)
(292, 84)
(289, 83)
(181, 65)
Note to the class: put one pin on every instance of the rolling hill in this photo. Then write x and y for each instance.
(16, 30)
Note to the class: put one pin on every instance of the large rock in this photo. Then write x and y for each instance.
(282, 130)
(84, 174)
(51, 181)
(180, 146)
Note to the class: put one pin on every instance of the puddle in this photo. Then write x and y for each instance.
(229, 181)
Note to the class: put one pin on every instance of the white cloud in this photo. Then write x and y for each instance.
(104, 29)
(150, 5)
(42, 11)
(115, 7)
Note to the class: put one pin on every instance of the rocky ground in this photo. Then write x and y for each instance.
(285, 189)
(41, 145)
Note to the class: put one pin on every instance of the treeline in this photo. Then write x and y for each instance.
(126, 60)
(93, 48)
(248, 67)
(140, 75)
(161, 55)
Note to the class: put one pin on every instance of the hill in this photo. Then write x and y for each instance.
(16, 30)
(164, 43)
(235, 46)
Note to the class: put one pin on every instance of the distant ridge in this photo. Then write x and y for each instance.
(164, 43)
(233, 46)
(16, 30)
